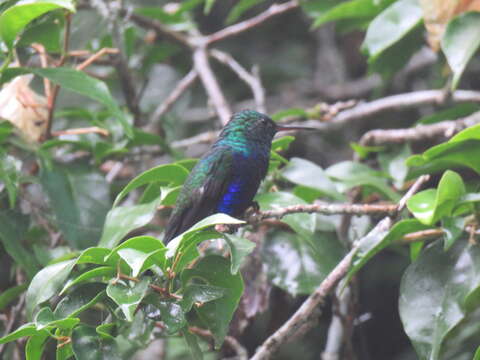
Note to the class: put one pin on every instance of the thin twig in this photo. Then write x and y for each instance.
(210, 83)
(413, 189)
(250, 79)
(241, 352)
(421, 235)
(95, 57)
(181, 87)
(240, 27)
(445, 129)
(80, 131)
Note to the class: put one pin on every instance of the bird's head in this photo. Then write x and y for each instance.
(254, 126)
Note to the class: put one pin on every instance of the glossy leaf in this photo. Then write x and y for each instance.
(126, 297)
(302, 223)
(297, 264)
(15, 18)
(102, 271)
(460, 41)
(170, 174)
(349, 174)
(379, 238)
(306, 173)
(431, 205)
(123, 219)
(80, 299)
(35, 345)
(453, 228)
(396, 21)
(46, 283)
(87, 345)
(216, 315)
(28, 329)
(197, 293)
(141, 252)
(433, 295)
(171, 314)
(45, 318)
(240, 247)
(80, 199)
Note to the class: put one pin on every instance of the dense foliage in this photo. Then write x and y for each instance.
(96, 94)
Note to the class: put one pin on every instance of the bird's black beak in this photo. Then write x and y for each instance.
(290, 128)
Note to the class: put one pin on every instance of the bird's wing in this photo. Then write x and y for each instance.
(201, 192)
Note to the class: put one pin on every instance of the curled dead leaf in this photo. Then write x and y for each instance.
(437, 14)
(24, 108)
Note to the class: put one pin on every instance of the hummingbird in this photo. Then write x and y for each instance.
(226, 179)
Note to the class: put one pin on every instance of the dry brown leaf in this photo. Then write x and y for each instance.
(437, 14)
(24, 108)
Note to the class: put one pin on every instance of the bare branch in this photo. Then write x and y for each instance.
(251, 80)
(301, 316)
(413, 189)
(210, 83)
(206, 137)
(419, 133)
(181, 87)
(240, 27)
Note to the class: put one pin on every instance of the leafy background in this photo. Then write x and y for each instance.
(106, 104)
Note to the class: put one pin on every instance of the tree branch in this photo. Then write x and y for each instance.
(250, 79)
(240, 27)
(445, 129)
(181, 87)
(210, 83)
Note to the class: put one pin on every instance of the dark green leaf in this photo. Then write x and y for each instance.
(15, 18)
(127, 297)
(123, 219)
(87, 345)
(396, 21)
(453, 229)
(197, 293)
(298, 264)
(47, 34)
(79, 300)
(28, 329)
(240, 247)
(306, 173)
(46, 283)
(460, 41)
(216, 315)
(14, 228)
(9, 295)
(170, 174)
(102, 271)
(171, 314)
(45, 318)
(433, 293)
(80, 200)
(192, 344)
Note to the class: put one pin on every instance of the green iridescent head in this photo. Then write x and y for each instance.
(251, 125)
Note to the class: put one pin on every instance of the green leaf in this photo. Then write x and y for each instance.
(14, 227)
(306, 173)
(240, 247)
(80, 299)
(298, 264)
(302, 223)
(7, 296)
(453, 228)
(192, 344)
(431, 205)
(87, 345)
(452, 113)
(393, 162)
(15, 18)
(28, 329)
(46, 283)
(197, 293)
(93, 255)
(396, 21)
(45, 318)
(433, 295)
(379, 238)
(185, 238)
(172, 315)
(351, 10)
(47, 34)
(297, 112)
(364, 151)
(141, 252)
(460, 41)
(171, 174)
(123, 219)
(80, 200)
(102, 271)
(216, 315)
(10, 174)
(35, 345)
(127, 297)
(208, 6)
(350, 174)
(240, 8)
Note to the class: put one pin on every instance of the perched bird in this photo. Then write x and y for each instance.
(227, 177)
